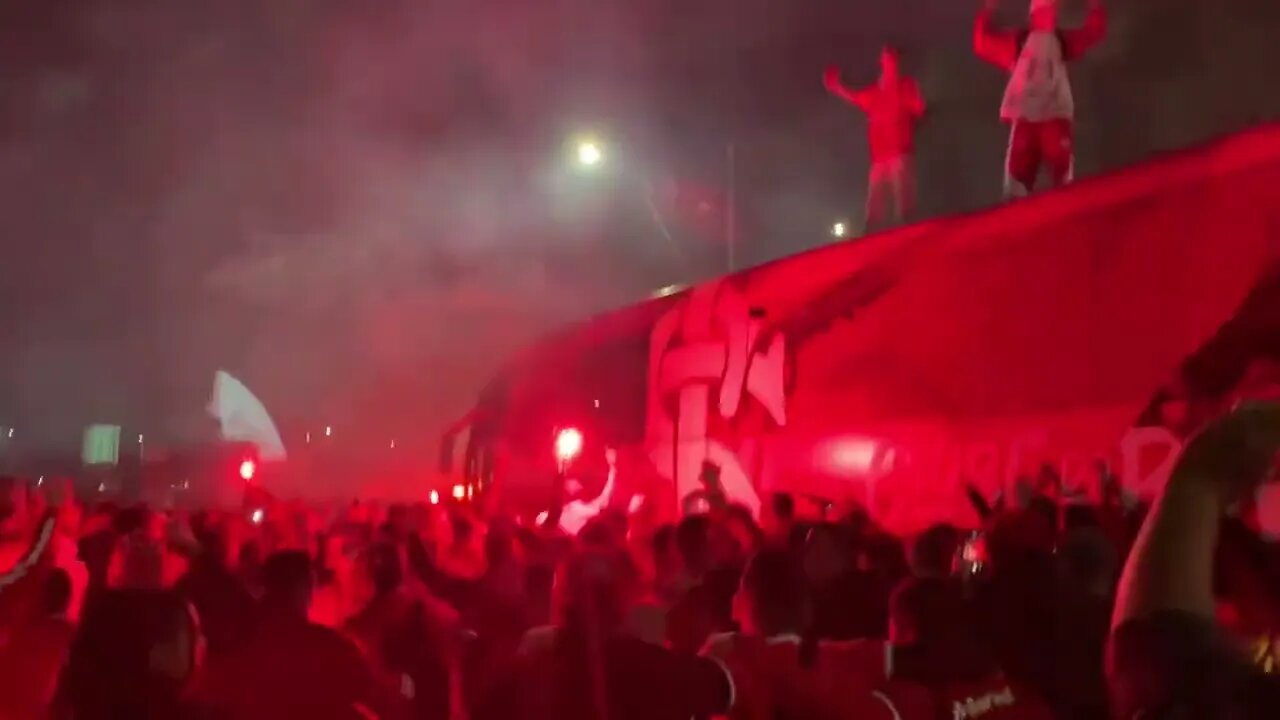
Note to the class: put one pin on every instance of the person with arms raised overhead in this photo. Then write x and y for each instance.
(1167, 657)
(1038, 104)
(893, 106)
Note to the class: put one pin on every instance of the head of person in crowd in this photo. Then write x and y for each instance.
(55, 595)
(693, 543)
(378, 573)
(771, 600)
(926, 611)
(137, 562)
(249, 562)
(594, 589)
(1020, 539)
(665, 559)
(934, 625)
(782, 514)
(742, 536)
(132, 657)
(499, 543)
(933, 551)
(603, 532)
(287, 583)
(397, 524)
(828, 553)
(885, 556)
(1088, 562)
(213, 546)
(463, 530)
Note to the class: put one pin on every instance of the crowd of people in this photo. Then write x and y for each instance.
(439, 611)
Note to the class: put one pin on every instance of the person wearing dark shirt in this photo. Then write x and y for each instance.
(848, 603)
(589, 668)
(934, 645)
(1087, 564)
(132, 657)
(290, 667)
(1166, 657)
(777, 673)
(225, 607)
(703, 590)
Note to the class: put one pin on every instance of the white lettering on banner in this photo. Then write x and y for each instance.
(997, 465)
(702, 349)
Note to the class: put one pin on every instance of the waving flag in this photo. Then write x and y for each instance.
(243, 418)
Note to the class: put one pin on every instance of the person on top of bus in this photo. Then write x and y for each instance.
(1037, 104)
(893, 106)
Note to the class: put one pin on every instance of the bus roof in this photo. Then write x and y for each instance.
(792, 279)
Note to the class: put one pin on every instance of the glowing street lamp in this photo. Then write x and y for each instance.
(589, 154)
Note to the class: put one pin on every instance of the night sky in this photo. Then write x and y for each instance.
(360, 207)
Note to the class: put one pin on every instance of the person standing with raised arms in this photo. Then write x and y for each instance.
(1038, 104)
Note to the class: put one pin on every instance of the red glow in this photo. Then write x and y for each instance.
(568, 444)
(248, 469)
(853, 455)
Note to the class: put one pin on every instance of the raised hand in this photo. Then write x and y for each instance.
(831, 78)
(1235, 453)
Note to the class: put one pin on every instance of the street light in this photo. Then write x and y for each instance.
(589, 154)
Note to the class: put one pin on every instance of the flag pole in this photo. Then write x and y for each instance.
(731, 209)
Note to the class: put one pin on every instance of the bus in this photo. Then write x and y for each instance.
(1065, 331)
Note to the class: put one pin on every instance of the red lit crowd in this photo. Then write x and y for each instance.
(1049, 609)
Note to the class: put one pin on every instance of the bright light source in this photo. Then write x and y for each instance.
(854, 455)
(568, 444)
(393, 444)
(589, 153)
(435, 497)
(11, 433)
(308, 437)
(328, 431)
(248, 469)
(459, 492)
(839, 229)
(102, 487)
(139, 439)
(666, 291)
(257, 516)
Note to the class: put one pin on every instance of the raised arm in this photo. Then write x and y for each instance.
(1165, 652)
(1079, 41)
(831, 79)
(998, 47)
(915, 100)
